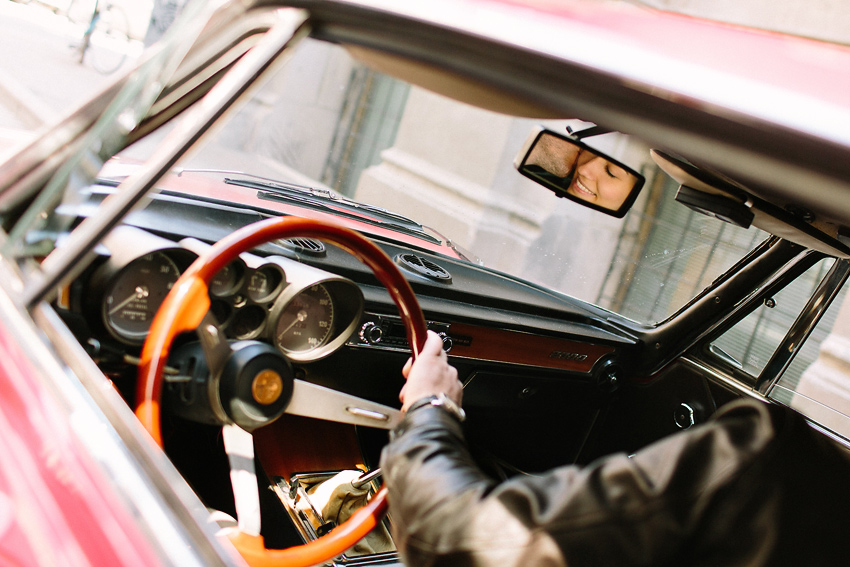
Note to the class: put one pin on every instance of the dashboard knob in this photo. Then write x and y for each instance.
(448, 343)
(371, 333)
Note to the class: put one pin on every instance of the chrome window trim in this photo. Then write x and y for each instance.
(803, 326)
(728, 381)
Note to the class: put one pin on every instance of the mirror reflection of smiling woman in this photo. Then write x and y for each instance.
(599, 181)
(581, 172)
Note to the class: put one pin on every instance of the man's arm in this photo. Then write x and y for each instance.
(644, 509)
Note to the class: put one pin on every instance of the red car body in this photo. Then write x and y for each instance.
(58, 505)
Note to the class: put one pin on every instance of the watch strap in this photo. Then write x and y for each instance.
(440, 401)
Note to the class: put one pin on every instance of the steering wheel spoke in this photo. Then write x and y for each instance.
(214, 344)
(312, 400)
(239, 446)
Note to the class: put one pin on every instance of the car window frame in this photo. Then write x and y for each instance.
(65, 263)
(807, 319)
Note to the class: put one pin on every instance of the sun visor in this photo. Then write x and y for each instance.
(713, 194)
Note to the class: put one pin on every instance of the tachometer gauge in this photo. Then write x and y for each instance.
(306, 322)
(134, 296)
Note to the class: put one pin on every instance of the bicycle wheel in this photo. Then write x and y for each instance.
(110, 40)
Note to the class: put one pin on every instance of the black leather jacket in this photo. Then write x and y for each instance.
(755, 486)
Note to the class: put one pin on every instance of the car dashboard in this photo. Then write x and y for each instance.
(542, 373)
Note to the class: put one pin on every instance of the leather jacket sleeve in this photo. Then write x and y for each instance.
(724, 493)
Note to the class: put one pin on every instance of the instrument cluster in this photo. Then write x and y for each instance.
(305, 312)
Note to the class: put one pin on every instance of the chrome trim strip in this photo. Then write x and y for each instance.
(320, 402)
(369, 414)
(731, 383)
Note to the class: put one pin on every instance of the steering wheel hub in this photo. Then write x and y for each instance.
(252, 389)
(255, 385)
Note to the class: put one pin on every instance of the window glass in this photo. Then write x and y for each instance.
(816, 382)
(448, 167)
(754, 339)
(668, 253)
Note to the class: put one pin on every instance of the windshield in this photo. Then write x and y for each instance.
(86, 139)
(329, 135)
(447, 167)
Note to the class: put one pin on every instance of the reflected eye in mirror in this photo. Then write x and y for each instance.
(570, 169)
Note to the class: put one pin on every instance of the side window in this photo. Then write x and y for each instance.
(751, 342)
(815, 381)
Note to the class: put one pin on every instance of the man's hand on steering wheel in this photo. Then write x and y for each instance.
(430, 375)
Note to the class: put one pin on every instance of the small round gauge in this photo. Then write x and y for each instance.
(227, 280)
(247, 322)
(221, 310)
(134, 296)
(306, 321)
(263, 283)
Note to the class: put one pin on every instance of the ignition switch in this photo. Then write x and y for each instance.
(683, 416)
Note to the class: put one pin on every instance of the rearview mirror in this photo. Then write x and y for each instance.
(570, 169)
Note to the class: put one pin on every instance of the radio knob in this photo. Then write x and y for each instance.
(448, 343)
(371, 333)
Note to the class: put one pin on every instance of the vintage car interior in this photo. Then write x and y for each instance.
(257, 322)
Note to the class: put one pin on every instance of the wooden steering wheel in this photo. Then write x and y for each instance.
(187, 305)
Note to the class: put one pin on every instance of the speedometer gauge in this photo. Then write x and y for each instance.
(134, 296)
(306, 322)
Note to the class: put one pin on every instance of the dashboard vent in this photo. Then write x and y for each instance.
(421, 266)
(304, 246)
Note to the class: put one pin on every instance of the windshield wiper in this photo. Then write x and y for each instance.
(322, 193)
(287, 187)
(319, 198)
(341, 207)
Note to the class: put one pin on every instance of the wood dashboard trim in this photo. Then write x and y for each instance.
(514, 347)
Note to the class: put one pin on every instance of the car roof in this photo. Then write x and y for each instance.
(767, 109)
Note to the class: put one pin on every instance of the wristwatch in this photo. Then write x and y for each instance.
(441, 400)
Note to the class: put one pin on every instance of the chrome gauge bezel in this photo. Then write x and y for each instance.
(127, 247)
(241, 309)
(228, 280)
(139, 305)
(273, 278)
(346, 305)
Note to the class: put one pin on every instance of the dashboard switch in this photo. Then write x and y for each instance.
(371, 333)
(448, 343)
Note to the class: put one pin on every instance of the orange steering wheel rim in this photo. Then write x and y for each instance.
(187, 303)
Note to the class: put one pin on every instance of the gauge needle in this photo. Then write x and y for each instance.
(141, 292)
(298, 318)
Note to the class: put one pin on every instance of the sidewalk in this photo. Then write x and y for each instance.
(40, 78)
